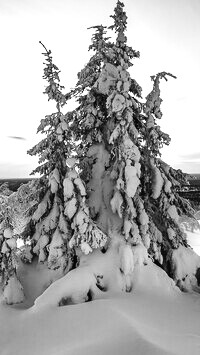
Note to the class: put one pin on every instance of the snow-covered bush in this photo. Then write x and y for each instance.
(184, 264)
(13, 291)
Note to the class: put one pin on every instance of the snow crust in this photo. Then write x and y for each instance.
(113, 270)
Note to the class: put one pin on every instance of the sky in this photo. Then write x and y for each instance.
(166, 32)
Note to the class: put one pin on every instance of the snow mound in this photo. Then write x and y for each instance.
(153, 280)
(155, 319)
(120, 269)
(13, 291)
(75, 287)
(185, 263)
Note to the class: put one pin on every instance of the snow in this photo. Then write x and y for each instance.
(50, 221)
(100, 186)
(42, 207)
(167, 184)
(157, 181)
(55, 249)
(143, 218)
(133, 306)
(5, 249)
(115, 270)
(12, 243)
(132, 181)
(70, 162)
(39, 247)
(127, 227)
(72, 288)
(116, 203)
(171, 233)
(130, 150)
(54, 180)
(126, 259)
(85, 248)
(13, 292)
(172, 211)
(194, 240)
(140, 255)
(78, 182)
(115, 134)
(118, 103)
(71, 208)
(81, 221)
(185, 264)
(62, 224)
(107, 78)
(68, 188)
(155, 319)
(7, 233)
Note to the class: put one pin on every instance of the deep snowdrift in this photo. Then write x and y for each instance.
(155, 318)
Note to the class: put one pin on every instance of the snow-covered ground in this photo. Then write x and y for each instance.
(155, 318)
(194, 240)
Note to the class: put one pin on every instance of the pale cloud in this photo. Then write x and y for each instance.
(9, 171)
(17, 137)
(191, 156)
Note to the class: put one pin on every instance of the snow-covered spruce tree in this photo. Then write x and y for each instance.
(9, 282)
(105, 176)
(50, 232)
(62, 209)
(159, 188)
(131, 192)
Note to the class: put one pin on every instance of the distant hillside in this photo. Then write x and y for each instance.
(196, 175)
(14, 184)
(195, 181)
